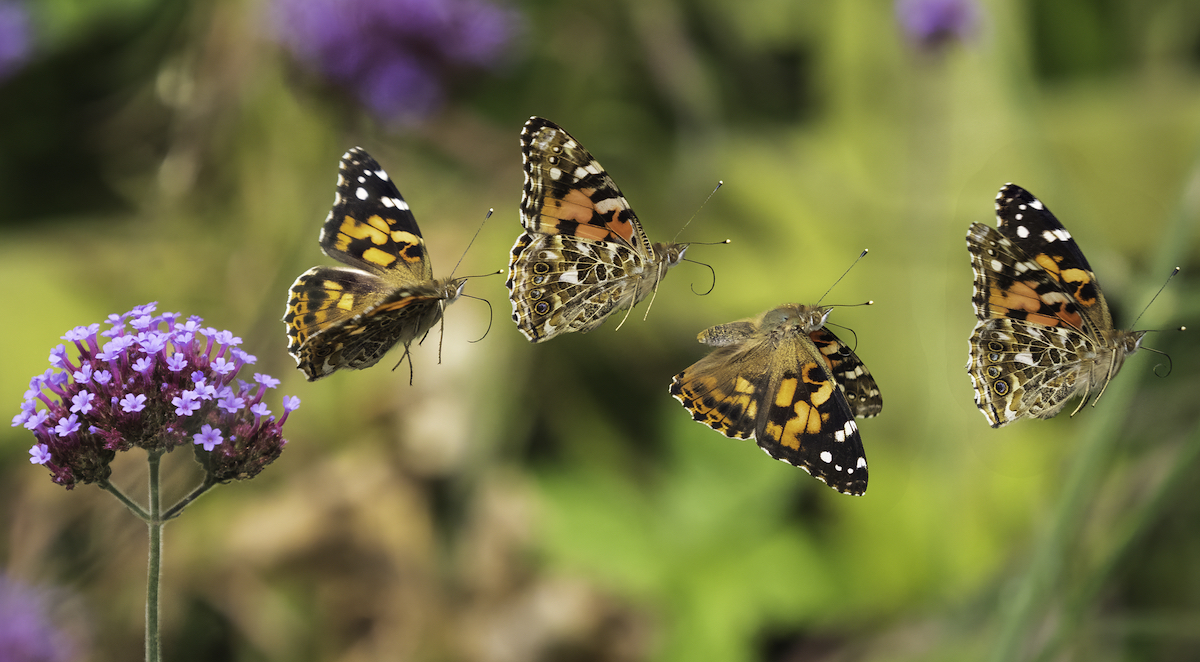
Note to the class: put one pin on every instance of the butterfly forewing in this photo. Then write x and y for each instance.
(567, 191)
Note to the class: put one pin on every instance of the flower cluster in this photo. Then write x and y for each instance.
(396, 55)
(16, 37)
(934, 23)
(28, 628)
(155, 382)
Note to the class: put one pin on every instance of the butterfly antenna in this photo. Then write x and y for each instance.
(1160, 291)
(720, 183)
(860, 256)
(469, 243)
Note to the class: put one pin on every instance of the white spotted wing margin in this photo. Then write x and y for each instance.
(790, 384)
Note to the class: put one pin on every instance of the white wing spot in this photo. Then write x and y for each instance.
(1022, 231)
(826, 457)
(997, 266)
(1036, 204)
(862, 463)
(361, 193)
(381, 174)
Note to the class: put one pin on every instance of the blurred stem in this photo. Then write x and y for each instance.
(154, 569)
(1038, 590)
(175, 510)
(1135, 526)
(137, 510)
(1038, 597)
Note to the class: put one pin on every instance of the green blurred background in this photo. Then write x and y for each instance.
(553, 502)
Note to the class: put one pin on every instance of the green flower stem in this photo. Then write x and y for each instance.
(175, 510)
(113, 490)
(154, 569)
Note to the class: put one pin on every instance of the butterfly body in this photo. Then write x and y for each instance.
(1044, 333)
(786, 381)
(583, 254)
(349, 317)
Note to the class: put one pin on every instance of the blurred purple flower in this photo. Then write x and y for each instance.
(396, 55)
(16, 37)
(27, 630)
(934, 23)
(148, 401)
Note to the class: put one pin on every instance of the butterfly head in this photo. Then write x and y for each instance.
(671, 254)
(796, 318)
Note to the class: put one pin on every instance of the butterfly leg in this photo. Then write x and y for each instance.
(408, 356)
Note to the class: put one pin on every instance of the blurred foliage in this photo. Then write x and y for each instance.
(553, 502)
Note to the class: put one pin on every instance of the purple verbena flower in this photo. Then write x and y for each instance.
(29, 627)
(82, 402)
(398, 56)
(266, 380)
(137, 392)
(16, 37)
(230, 402)
(935, 23)
(208, 437)
(84, 374)
(37, 419)
(39, 454)
(67, 425)
(185, 404)
(133, 403)
(152, 343)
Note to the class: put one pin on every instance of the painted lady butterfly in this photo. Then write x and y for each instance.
(1045, 333)
(349, 317)
(583, 254)
(792, 385)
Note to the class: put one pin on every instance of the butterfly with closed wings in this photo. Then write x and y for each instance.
(583, 254)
